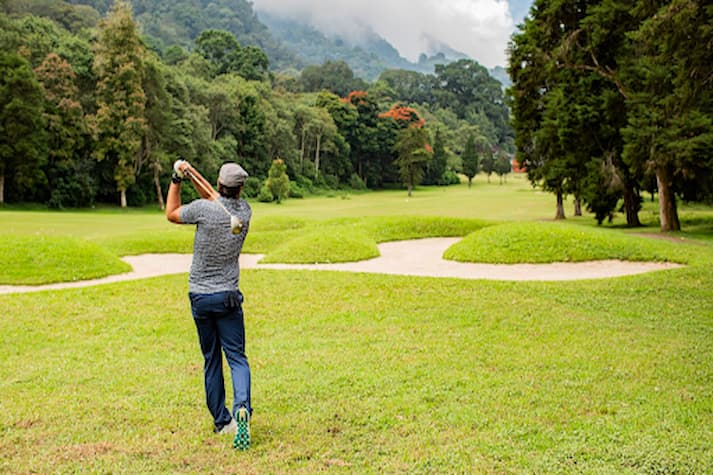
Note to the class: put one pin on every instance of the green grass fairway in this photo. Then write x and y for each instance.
(369, 374)
(366, 373)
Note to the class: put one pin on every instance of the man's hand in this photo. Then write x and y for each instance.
(178, 175)
(178, 167)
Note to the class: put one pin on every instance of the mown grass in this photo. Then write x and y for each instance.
(363, 373)
(335, 244)
(358, 373)
(41, 259)
(540, 242)
(354, 239)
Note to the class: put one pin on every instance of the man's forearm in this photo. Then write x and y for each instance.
(173, 203)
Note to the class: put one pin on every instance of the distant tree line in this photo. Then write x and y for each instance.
(614, 98)
(91, 112)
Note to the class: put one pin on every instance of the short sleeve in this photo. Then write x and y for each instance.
(193, 211)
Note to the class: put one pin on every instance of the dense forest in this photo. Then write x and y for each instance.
(92, 109)
(608, 102)
(612, 98)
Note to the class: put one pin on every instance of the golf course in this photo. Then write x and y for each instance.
(360, 372)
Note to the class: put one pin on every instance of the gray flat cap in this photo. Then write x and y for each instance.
(232, 175)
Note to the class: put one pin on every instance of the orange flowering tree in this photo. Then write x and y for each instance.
(404, 116)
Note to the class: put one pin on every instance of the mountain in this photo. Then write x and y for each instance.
(499, 73)
(288, 42)
(368, 55)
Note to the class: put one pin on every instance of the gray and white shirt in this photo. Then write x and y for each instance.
(216, 249)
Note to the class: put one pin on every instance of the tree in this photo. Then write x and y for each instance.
(321, 125)
(413, 152)
(503, 166)
(67, 134)
(22, 135)
(334, 76)
(467, 87)
(277, 180)
(487, 164)
(539, 98)
(410, 86)
(222, 50)
(470, 160)
(119, 123)
(436, 167)
(670, 123)
(160, 122)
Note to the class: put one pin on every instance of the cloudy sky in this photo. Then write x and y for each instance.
(479, 28)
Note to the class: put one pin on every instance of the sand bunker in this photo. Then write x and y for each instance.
(420, 257)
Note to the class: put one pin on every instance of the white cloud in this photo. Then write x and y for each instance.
(479, 28)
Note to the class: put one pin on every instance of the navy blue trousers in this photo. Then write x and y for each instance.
(219, 321)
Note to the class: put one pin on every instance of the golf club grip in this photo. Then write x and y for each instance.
(201, 184)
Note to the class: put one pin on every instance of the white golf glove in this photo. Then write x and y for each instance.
(178, 165)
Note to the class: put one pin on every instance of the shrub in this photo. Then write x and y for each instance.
(305, 183)
(251, 189)
(449, 178)
(277, 180)
(328, 181)
(356, 183)
(265, 195)
(296, 191)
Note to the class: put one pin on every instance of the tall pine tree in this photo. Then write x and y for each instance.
(119, 124)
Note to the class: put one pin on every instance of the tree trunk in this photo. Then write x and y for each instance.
(668, 212)
(560, 206)
(2, 189)
(470, 181)
(123, 198)
(302, 152)
(631, 206)
(316, 157)
(577, 206)
(157, 184)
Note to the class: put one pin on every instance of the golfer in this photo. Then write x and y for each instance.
(216, 301)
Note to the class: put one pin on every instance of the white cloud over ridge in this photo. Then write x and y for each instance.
(478, 28)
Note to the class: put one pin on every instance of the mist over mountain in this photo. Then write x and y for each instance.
(296, 34)
(367, 53)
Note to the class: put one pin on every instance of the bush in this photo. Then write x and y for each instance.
(277, 180)
(305, 183)
(296, 191)
(356, 183)
(265, 195)
(328, 181)
(449, 178)
(251, 189)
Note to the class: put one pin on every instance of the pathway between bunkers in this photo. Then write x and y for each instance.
(420, 257)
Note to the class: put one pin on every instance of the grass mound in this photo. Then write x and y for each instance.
(396, 228)
(276, 223)
(262, 242)
(554, 242)
(349, 239)
(176, 239)
(39, 259)
(325, 245)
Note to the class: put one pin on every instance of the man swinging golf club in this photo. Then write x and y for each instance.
(216, 302)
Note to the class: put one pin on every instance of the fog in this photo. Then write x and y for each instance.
(479, 28)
